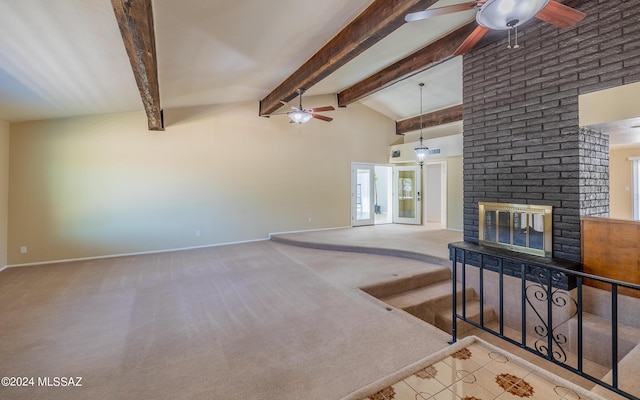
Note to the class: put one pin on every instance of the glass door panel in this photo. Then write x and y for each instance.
(362, 201)
(407, 205)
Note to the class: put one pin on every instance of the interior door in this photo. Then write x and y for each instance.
(407, 195)
(362, 197)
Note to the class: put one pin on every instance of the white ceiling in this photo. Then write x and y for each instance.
(621, 133)
(66, 58)
(62, 58)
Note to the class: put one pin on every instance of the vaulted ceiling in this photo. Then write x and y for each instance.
(67, 58)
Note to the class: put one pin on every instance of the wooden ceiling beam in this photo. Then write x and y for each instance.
(380, 19)
(427, 57)
(440, 117)
(135, 20)
(421, 60)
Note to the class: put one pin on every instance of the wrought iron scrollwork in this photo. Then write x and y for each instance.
(540, 292)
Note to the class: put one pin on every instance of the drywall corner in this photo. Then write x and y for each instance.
(4, 191)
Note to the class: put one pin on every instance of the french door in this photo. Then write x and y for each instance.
(383, 194)
(407, 195)
(362, 194)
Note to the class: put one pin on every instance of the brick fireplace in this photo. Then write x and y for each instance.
(523, 228)
(522, 142)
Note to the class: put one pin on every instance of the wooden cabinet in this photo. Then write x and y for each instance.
(611, 248)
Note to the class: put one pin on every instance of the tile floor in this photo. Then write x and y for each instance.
(475, 373)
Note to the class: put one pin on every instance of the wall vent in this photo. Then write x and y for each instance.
(434, 151)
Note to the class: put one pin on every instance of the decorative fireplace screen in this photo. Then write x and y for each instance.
(518, 227)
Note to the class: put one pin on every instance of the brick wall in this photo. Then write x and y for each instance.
(522, 142)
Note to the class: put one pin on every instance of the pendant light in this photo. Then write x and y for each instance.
(421, 150)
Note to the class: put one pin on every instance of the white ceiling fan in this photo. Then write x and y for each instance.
(301, 115)
(504, 15)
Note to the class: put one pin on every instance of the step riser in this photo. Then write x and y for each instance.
(427, 310)
(443, 318)
(408, 283)
(597, 340)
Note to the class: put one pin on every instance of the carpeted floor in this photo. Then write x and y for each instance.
(409, 241)
(251, 321)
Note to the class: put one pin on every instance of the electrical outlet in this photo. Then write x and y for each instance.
(23, 249)
(309, 219)
(198, 233)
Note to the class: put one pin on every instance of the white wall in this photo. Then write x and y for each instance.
(455, 193)
(105, 185)
(4, 191)
(609, 105)
(433, 191)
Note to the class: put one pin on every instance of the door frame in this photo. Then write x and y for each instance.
(417, 218)
(354, 195)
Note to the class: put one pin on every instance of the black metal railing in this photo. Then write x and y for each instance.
(551, 305)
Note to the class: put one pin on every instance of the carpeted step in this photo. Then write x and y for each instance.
(443, 318)
(296, 240)
(598, 302)
(627, 376)
(426, 301)
(597, 338)
(402, 284)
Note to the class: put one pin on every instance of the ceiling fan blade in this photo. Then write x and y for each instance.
(471, 40)
(434, 12)
(321, 117)
(560, 15)
(326, 108)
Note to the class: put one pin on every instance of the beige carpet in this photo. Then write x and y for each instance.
(251, 321)
(409, 241)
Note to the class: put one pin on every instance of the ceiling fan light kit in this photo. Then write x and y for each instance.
(504, 15)
(300, 115)
(508, 14)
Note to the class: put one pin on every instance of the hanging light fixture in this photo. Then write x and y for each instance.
(421, 150)
(299, 116)
(508, 15)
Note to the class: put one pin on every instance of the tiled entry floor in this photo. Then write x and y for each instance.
(477, 372)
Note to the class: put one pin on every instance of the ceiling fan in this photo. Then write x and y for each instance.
(300, 115)
(504, 15)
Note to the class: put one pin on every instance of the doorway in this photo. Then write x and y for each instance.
(371, 194)
(407, 195)
(384, 194)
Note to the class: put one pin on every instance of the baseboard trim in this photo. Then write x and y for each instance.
(165, 250)
(141, 253)
(3, 268)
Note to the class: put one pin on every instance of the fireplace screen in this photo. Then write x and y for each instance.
(518, 227)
